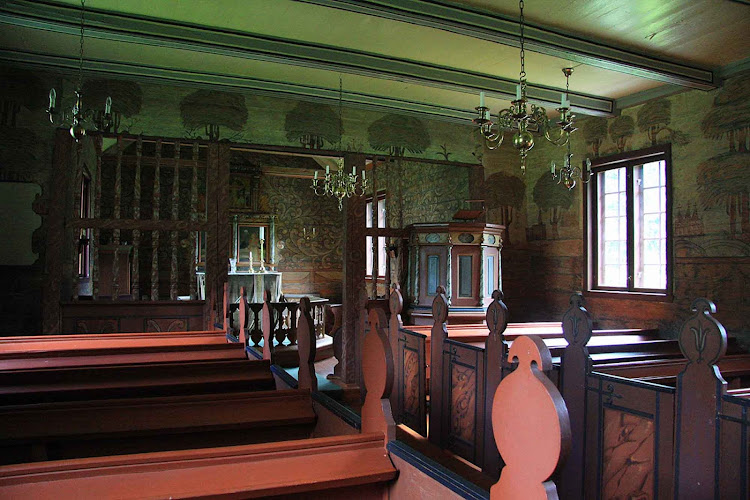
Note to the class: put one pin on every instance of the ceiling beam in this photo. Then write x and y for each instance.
(195, 79)
(485, 25)
(163, 33)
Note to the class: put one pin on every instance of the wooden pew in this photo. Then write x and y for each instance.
(58, 351)
(133, 380)
(354, 466)
(332, 467)
(55, 431)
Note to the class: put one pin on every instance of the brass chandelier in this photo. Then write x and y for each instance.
(339, 183)
(568, 174)
(78, 119)
(521, 115)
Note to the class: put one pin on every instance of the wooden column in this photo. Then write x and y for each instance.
(155, 234)
(173, 268)
(194, 217)
(354, 275)
(97, 214)
(58, 191)
(373, 293)
(218, 236)
(116, 216)
(136, 276)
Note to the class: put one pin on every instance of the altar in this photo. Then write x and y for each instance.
(255, 284)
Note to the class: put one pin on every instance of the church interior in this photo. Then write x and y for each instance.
(443, 249)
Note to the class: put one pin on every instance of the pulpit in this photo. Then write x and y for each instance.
(464, 258)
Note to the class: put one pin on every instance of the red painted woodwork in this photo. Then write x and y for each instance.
(700, 388)
(306, 346)
(267, 326)
(109, 316)
(496, 358)
(438, 334)
(377, 372)
(531, 425)
(254, 471)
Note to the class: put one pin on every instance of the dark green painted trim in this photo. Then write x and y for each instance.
(134, 29)
(649, 95)
(486, 25)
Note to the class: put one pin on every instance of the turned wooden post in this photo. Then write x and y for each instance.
(242, 334)
(306, 347)
(495, 359)
(530, 424)
(333, 328)
(700, 388)
(575, 365)
(267, 326)
(396, 305)
(438, 335)
(377, 368)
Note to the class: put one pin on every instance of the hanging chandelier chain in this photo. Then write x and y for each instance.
(80, 57)
(341, 112)
(522, 75)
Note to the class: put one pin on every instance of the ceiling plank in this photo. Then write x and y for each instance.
(492, 27)
(169, 34)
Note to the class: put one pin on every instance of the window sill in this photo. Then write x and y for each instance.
(645, 296)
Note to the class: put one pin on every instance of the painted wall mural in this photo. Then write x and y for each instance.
(205, 112)
(127, 99)
(621, 130)
(398, 134)
(504, 197)
(313, 125)
(433, 192)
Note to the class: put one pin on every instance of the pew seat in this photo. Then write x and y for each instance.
(134, 380)
(336, 467)
(53, 431)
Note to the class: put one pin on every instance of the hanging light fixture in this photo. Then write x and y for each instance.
(521, 115)
(78, 119)
(339, 183)
(568, 174)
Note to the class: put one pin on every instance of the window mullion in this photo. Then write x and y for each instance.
(630, 194)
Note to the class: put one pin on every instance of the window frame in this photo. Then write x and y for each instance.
(629, 160)
(369, 200)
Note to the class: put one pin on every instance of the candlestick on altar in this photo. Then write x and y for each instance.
(262, 263)
(250, 263)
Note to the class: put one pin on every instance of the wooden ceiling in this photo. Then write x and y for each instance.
(417, 56)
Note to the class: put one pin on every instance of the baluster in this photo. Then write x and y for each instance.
(278, 323)
(175, 216)
(243, 317)
(136, 278)
(292, 335)
(256, 333)
(307, 346)
(155, 234)
(267, 325)
(97, 214)
(193, 218)
(116, 215)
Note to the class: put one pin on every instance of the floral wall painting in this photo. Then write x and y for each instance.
(207, 111)
(653, 118)
(552, 199)
(397, 134)
(313, 125)
(621, 130)
(504, 197)
(19, 88)
(127, 99)
(724, 179)
(594, 131)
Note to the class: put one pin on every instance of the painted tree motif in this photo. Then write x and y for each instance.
(127, 99)
(312, 125)
(19, 88)
(725, 178)
(655, 117)
(553, 198)
(620, 130)
(594, 131)
(397, 133)
(213, 109)
(505, 194)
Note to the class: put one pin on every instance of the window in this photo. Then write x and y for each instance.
(629, 221)
(382, 245)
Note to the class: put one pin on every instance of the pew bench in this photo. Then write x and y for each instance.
(334, 467)
(55, 431)
(134, 380)
(19, 353)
